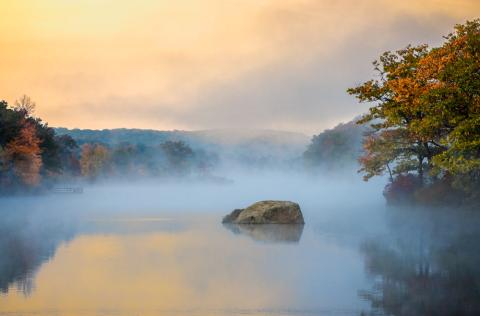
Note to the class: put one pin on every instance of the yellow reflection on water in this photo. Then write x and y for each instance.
(152, 274)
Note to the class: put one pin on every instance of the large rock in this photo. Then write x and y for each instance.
(267, 212)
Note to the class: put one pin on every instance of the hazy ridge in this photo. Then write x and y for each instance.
(239, 145)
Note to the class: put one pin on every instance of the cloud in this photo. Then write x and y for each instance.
(280, 64)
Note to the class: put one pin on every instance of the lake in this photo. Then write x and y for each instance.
(160, 249)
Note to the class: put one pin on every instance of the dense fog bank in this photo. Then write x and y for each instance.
(197, 194)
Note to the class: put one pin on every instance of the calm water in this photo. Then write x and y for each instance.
(161, 250)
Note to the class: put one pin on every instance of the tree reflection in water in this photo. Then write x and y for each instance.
(429, 264)
(30, 238)
(26, 243)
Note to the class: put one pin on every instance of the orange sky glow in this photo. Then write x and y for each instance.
(277, 64)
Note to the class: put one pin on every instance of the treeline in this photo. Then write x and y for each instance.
(426, 121)
(335, 149)
(30, 152)
(126, 160)
(235, 148)
(33, 157)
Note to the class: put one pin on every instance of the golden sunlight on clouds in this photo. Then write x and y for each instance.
(189, 64)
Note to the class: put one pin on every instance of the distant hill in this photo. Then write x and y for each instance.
(246, 146)
(336, 148)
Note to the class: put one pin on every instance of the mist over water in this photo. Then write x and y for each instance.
(159, 248)
(135, 137)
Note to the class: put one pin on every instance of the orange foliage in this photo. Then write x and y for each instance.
(94, 160)
(23, 152)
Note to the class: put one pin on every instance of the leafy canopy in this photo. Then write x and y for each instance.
(426, 113)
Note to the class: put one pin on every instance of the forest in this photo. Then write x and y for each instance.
(33, 157)
(422, 133)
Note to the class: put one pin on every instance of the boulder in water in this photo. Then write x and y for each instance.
(267, 212)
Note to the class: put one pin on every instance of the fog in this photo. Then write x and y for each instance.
(239, 188)
(158, 247)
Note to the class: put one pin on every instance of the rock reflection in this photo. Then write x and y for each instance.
(270, 233)
(430, 265)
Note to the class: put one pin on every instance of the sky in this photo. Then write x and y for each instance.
(207, 64)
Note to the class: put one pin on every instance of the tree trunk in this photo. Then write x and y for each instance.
(390, 172)
(420, 169)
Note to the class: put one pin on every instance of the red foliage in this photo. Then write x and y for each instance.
(402, 189)
(440, 192)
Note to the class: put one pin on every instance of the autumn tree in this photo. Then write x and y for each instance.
(398, 94)
(426, 117)
(23, 155)
(380, 152)
(94, 160)
(454, 105)
(30, 151)
(12, 121)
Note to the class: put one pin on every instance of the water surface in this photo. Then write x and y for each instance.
(162, 250)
